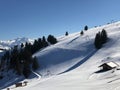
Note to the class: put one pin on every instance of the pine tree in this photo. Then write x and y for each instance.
(7, 57)
(97, 42)
(44, 42)
(18, 67)
(40, 43)
(86, 28)
(26, 71)
(22, 45)
(104, 36)
(35, 64)
(21, 56)
(81, 32)
(27, 56)
(66, 34)
(14, 57)
(35, 46)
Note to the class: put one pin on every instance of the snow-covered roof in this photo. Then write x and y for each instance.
(112, 64)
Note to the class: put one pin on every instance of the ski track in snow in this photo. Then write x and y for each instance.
(38, 75)
(72, 40)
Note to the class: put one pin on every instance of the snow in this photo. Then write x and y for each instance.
(112, 64)
(72, 62)
(11, 43)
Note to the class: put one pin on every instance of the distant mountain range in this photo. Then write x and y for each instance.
(5, 45)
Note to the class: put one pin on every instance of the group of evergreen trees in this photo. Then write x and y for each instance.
(20, 58)
(40, 43)
(51, 39)
(100, 39)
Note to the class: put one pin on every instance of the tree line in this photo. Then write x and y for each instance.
(20, 58)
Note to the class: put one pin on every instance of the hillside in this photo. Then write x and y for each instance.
(72, 62)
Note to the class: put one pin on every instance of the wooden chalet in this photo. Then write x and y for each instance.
(109, 65)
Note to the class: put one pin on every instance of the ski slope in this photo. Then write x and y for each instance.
(72, 62)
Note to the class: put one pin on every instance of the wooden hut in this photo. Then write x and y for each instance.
(25, 82)
(109, 66)
(18, 84)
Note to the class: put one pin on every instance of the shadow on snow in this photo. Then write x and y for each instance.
(80, 62)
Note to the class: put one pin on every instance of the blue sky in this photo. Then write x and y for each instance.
(35, 18)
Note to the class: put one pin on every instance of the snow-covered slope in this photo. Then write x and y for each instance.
(72, 62)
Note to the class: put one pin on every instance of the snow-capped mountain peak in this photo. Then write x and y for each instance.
(11, 43)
